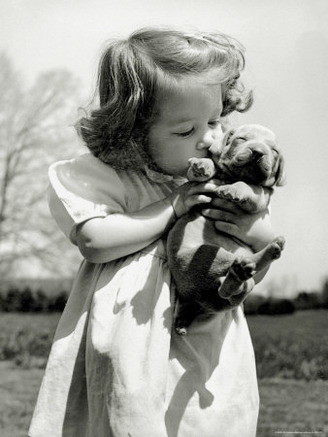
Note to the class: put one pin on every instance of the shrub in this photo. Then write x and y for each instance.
(252, 303)
(26, 300)
(275, 306)
(308, 301)
(57, 303)
(12, 300)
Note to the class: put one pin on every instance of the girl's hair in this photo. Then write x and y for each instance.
(135, 71)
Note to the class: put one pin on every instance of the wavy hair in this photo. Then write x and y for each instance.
(132, 74)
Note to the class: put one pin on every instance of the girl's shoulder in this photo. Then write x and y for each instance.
(85, 171)
(85, 165)
(88, 176)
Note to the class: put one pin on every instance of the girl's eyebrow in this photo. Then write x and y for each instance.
(188, 119)
(182, 120)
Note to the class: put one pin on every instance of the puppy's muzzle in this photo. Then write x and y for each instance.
(260, 157)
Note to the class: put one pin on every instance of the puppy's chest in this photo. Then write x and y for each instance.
(201, 231)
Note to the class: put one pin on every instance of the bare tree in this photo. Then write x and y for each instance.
(35, 130)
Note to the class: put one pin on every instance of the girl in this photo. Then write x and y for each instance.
(116, 367)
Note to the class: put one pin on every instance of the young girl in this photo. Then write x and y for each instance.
(116, 367)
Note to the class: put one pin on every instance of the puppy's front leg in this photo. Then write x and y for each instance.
(251, 198)
(200, 169)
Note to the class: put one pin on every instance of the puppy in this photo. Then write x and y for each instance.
(214, 271)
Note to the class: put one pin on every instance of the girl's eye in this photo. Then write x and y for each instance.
(185, 134)
(214, 123)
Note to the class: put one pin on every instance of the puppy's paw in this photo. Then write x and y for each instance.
(276, 247)
(232, 193)
(243, 269)
(200, 169)
(181, 331)
(238, 279)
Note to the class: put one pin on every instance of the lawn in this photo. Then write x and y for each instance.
(285, 346)
(286, 405)
(291, 346)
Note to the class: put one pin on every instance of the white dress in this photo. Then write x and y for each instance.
(116, 367)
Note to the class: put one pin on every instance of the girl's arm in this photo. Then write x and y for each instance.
(101, 240)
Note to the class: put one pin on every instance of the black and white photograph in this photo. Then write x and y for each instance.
(163, 208)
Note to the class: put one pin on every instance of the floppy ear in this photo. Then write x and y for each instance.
(227, 137)
(217, 147)
(280, 172)
(278, 176)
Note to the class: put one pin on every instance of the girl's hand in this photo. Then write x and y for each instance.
(255, 230)
(189, 195)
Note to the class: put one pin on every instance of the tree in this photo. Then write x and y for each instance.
(324, 293)
(36, 129)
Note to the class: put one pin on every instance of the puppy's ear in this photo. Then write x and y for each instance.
(280, 172)
(227, 137)
(223, 141)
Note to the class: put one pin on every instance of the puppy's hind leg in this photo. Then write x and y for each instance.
(270, 253)
(184, 314)
(238, 282)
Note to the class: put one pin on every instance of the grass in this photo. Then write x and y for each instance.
(291, 351)
(286, 405)
(291, 346)
(292, 408)
(26, 338)
(18, 392)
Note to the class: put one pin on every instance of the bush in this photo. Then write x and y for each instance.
(15, 300)
(256, 304)
(275, 306)
(12, 301)
(252, 303)
(27, 300)
(41, 302)
(57, 304)
(308, 301)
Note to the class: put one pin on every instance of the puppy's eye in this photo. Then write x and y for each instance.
(241, 139)
(275, 151)
(229, 135)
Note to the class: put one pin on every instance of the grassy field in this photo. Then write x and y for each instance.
(292, 355)
(291, 346)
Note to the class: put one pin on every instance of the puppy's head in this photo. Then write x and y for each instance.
(250, 153)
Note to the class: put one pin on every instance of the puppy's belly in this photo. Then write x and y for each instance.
(199, 256)
(201, 232)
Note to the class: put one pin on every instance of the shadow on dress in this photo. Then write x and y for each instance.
(199, 354)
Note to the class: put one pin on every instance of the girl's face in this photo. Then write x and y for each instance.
(187, 124)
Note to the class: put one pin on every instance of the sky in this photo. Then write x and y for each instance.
(286, 65)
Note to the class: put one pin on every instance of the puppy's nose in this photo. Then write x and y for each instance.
(257, 154)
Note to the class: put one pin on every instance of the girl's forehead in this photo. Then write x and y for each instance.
(188, 99)
(175, 84)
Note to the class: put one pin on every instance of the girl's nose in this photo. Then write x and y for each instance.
(206, 141)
